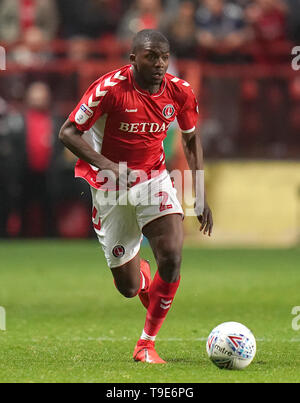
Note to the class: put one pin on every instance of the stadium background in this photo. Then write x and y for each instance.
(237, 55)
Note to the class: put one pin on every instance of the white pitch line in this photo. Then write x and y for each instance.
(168, 339)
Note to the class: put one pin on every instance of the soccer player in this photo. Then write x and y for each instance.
(124, 117)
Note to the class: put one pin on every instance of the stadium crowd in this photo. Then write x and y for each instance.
(37, 194)
(193, 26)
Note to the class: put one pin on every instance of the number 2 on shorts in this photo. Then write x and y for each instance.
(97, 225)
(163, 205)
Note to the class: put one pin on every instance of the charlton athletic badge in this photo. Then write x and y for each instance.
(168, 111)
(118, 251)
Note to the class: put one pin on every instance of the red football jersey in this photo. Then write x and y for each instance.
(128, 124)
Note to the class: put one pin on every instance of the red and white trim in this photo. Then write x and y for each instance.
(189, 131)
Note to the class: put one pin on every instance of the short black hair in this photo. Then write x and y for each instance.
(148, 35)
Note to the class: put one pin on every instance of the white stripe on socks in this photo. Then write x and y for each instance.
(145, 336)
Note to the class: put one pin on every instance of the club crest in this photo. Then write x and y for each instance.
(118, 251)
(168, 111)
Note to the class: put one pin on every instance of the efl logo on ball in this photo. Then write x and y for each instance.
(118, 251)
(168, 111)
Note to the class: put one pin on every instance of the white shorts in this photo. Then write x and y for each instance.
(119, 217)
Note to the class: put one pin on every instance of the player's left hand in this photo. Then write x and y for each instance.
(206, 220)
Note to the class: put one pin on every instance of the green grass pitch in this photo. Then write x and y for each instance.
(67, 323)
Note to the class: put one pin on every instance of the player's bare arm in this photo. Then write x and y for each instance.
(194, 154)
(72, 138)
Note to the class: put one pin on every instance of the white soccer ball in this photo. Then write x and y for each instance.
(231, 345)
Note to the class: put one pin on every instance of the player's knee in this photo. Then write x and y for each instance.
(129, 292)
(171, 259)
(169, 263)
(169, 254)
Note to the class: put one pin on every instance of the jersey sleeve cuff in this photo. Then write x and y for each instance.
(188, 131)
(73, 120)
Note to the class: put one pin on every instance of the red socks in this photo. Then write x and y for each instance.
(161, 295)
(157, 300)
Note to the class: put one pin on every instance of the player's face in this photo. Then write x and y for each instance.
(151, 63)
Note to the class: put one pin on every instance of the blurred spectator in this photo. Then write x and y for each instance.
(221, 28)
(17, 16)
(268, 19)
(11, 133)
(39, 131)
(171, 6)
(242, 3)
(78, 49)
(222, 31)
(294, 19)
(71, 197)
(33, 51)
(89, 18)
(181, 31)
(144, 14)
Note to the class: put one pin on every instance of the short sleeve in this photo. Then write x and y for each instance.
(91, 107)
(189, 114)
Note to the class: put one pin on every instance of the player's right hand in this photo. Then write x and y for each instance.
(117, 176)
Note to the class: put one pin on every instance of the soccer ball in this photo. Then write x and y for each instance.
(231, 345)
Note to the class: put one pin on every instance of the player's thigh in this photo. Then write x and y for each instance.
(117, 230)
(161, 222)
(165, 235)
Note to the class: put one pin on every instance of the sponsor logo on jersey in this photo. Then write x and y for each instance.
(83, 114)
(143, 127)
(118, 251)
(168, 111)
